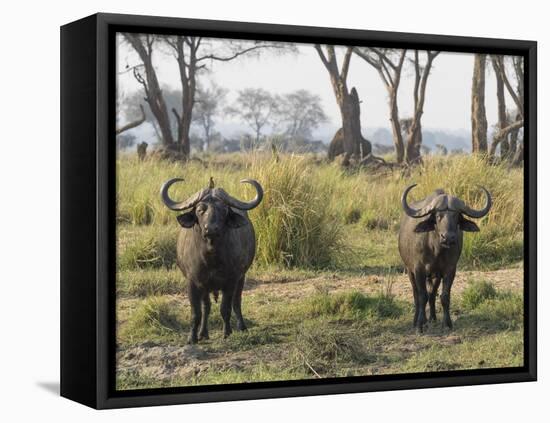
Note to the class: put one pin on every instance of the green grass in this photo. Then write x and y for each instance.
(354, 305)
(324, 348)
(156, 318)
(324, 335)
(322, 223)
(314, 214)
(148, 282)
(146, 247)
(476, 293)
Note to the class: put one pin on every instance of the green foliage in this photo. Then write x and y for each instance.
(477, 292)
(352, 304)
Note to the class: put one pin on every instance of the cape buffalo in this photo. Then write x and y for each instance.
(430, 243)
(215, 248)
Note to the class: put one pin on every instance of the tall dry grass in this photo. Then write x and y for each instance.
(311, 207)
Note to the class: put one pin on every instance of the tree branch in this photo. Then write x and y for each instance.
(322, 55)
(505, 131)
(134, 123)
(502, 71)
(345, 64)
(239, 53)
(367, 58)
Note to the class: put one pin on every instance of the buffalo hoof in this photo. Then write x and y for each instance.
(448, 325)
(241, 327)
(203, 336)
(192, 339)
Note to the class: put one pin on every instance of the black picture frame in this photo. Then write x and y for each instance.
(88, 231)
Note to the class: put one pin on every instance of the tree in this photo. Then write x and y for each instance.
(193, 54)
(130, 107)
(502, 115)
(518, 98)
(146, 75)
(208, 106)
(257, 108)
(301, 112)
(479, 116)
(414, 134)
(389, 64)
(348, 101)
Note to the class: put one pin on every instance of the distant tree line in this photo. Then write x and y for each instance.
(293, 117)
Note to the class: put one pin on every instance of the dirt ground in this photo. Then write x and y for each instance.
(165, 363)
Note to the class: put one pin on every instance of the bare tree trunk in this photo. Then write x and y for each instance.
(517, 97)
(390, 73)
(347, 102)
(414, 136)
(518, 156)
(514, 139)
(479, 117)
(396, 128)
(502, 118)
(150, 83)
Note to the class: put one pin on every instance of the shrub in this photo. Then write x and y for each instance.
(293, 224)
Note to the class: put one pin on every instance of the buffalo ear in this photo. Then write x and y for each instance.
(467, 225)
(187, 220)
(427, 225)
(235, 220)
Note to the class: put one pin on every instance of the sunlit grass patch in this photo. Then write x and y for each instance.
(150, 282)
(352, 305)
(155, 319)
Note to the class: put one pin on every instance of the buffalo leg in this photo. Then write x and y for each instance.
(237, 305)
(434, 286)
(203, 333)
(422, 298)
(446, 298)
(225, 309)
(415, 296)
(196, 313)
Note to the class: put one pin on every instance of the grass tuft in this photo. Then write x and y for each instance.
(352, 305)
(476, 293)
(293, 224)
(321, 347)
(156, 318)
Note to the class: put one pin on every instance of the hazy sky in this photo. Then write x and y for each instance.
(447, 103)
